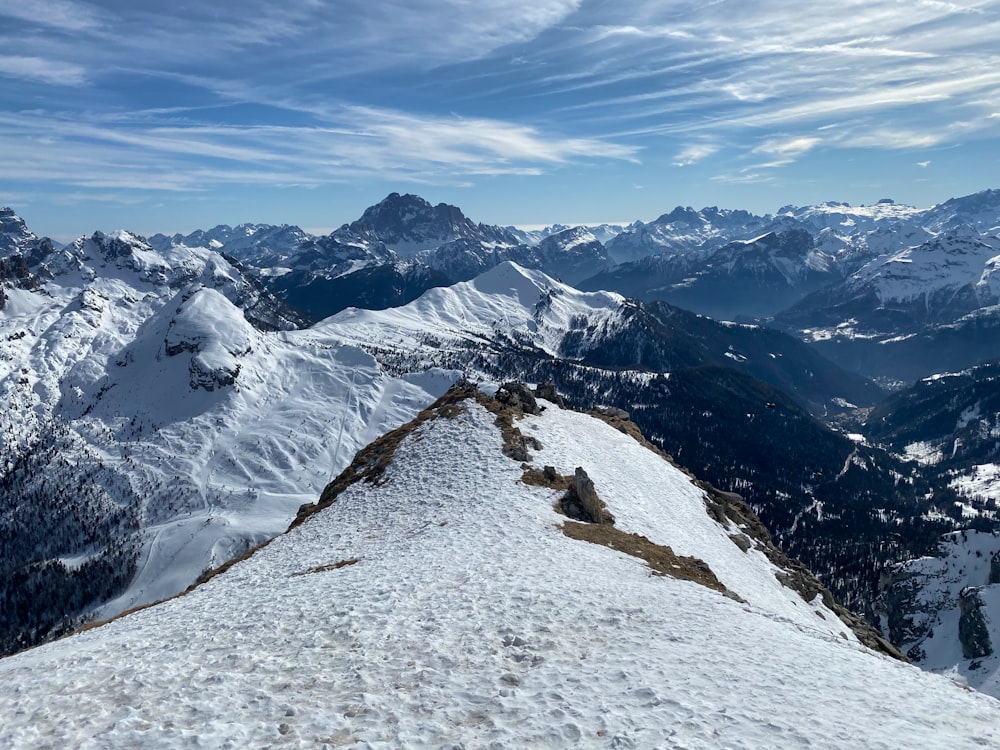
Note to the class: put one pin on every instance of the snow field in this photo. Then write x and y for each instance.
(460, 616)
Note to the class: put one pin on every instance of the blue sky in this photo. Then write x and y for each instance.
(174, 116)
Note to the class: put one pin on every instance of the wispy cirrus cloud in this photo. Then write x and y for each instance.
(67, 15)
(361, 141)
(694, 153)
(113, 95)
(41, 70)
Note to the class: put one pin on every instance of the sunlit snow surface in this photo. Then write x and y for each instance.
(138, 373)
(470, 620)
(223, 430)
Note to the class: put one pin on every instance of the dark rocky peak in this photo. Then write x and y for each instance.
(120, 244)
(725, 217)
(681, 215)
(401, 216)
(409, 224)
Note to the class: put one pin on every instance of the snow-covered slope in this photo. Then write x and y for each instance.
(507, 300)
(945, 610)
(150, 431)
(901, 292)
(446, 603)
(198, 434)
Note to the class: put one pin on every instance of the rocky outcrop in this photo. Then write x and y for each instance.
(995, 567)
(549, 393)
(517, 396)
(972, 630)
(582, 503)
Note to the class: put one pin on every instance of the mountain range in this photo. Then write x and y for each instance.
(878, 288)
(173, 401)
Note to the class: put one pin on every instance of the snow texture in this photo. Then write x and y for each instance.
(442, 607)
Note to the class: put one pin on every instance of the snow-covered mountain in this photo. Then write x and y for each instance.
(164, 416)
(157, 421)
(944, 610)
(902, 292)
(257, 245)
(817, 268)
(910, 313)
(407, 224)
(570, 254)
(438, 595)
(735, 264)
(604, 233)
(683, 230)
(751, 278)
(852, 277)
(15, 237)
(138, 375)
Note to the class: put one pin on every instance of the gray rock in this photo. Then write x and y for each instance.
(548, 392)
(517, 396)
(582, 502)
(972, 630)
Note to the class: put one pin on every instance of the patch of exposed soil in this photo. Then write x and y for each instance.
(660, 558)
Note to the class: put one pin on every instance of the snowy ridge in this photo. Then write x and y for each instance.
(442, 605)
(508, 299)
(210, 431)
(962, 258)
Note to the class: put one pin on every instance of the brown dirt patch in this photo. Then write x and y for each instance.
(660, 558)
(550, 480)
(328, 567)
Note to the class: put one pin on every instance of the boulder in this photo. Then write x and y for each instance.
(972, 630)
(517, 396)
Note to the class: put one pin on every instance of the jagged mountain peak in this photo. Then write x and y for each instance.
(981, 210)
(119, 243)
(408, 224)
(15, 237)
(399, 215)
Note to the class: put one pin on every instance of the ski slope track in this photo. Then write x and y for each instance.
(441, 605)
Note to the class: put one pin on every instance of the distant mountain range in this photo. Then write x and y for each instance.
(885, 289)
(172, 401)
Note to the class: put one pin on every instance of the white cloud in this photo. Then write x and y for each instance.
(789, 148)
(42, 70)
(59, 14)
(591, 81)
(363, 142)
(923, 164)
(694, 153)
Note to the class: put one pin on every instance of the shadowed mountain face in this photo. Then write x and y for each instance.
(741, 280)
